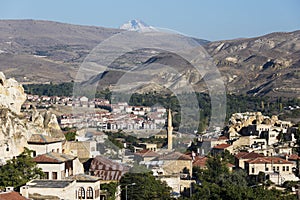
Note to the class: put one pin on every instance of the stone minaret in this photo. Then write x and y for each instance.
(170, 131)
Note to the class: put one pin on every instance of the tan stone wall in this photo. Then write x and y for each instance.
(81, 149)
(242, 141)
(176, 166)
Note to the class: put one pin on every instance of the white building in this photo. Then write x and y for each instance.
(41, 144)
(76, 187)
(58, 166)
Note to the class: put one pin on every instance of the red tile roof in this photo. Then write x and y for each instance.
(53, 158)
(241, 154)
(263, 160)
(11, 196)
(293, 157)
(221, 146)
(200, 161)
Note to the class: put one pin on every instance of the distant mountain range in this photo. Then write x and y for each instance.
(44, 51)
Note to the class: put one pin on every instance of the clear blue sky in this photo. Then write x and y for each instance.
(207, 19)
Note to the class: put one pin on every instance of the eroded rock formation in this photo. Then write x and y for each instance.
(15, 128)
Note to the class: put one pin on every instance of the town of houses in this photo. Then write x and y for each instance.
(121, 116)
(260, 144)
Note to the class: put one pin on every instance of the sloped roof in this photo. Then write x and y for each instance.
(263, 160)
(200, 161)
(241, 154)
(107, 169)
(42, 139)
(293, 157)
(53, 157)
(221, 146)
(11, 196)
(174, 156)
(147, 153)
(84, 178)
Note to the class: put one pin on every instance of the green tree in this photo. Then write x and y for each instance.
(70, 135)
(216, 167)
(141, 186)
(19, 170)
(216, 182)
(110, 188)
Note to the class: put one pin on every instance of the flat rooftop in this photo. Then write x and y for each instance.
(49, 183)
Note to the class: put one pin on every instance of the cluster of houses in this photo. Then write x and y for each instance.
(260, 145)
(75, 169)
(118, 116)
(47, 101)
(64, 176)
(121, 117)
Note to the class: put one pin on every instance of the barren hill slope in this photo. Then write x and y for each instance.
(44, 51)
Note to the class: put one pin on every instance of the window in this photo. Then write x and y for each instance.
(252, 169)
(46, 175)
(54, 175)
(278, 168)
(89, 193)
(274, 168)
(97, 193)
(267, 169)
(287, 168)
(81, 193)
(283, 168)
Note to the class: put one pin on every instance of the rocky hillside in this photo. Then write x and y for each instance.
(15, 128)
(43, 51)
(266, 65)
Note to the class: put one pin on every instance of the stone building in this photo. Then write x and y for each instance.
(175, 163)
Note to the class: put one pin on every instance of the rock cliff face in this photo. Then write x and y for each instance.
(15, 129)
(12, 94)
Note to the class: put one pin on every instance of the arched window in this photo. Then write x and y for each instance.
(81, 193)
(89, 193)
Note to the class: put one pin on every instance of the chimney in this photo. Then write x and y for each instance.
(24, 191)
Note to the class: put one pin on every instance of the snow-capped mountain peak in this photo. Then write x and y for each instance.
(137, 25)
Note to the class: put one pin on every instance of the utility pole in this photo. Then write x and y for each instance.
(126, 189)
